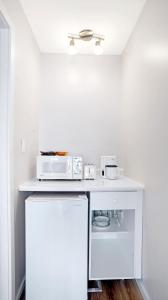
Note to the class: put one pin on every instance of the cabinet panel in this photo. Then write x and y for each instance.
(112, 258)
(113, 200)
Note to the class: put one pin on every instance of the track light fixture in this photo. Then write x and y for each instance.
(86, 35)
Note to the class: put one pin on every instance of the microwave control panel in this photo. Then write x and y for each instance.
(77, 168)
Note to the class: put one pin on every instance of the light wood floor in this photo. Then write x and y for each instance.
(115, 290)
(118, 290)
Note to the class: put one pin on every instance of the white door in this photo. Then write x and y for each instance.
(56, 248)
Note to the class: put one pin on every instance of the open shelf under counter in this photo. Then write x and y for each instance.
(112, 235)
(124, 227)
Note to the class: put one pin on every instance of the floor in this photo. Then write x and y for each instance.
(118, 290)
(115, 290)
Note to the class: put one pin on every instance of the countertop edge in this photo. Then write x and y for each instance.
(127, 184)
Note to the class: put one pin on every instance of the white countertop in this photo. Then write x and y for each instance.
(98, 185)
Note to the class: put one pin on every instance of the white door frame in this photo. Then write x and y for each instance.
(7, 272)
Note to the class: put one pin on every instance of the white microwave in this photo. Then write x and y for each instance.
(60, 167)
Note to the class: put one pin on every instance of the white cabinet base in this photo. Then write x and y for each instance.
(115, 251)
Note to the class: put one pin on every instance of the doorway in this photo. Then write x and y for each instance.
(6, 236)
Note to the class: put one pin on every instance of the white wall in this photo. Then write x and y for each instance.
(26, 94)
(145, 109)
(81, 104)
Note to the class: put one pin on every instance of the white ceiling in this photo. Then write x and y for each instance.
(52, 20)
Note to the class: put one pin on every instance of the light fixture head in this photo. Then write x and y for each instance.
(72, 50)
(98, 50)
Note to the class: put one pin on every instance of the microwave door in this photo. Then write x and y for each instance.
(62, 168)
(54, 167)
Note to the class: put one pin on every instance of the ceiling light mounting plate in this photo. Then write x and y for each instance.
(86, 34)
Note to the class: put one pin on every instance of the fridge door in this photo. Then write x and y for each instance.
(56, 248)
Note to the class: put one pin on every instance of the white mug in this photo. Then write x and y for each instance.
(113, 172)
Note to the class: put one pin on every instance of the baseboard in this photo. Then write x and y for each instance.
(21, 288)
(142, 289)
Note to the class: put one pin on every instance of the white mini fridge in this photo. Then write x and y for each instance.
(56, 247)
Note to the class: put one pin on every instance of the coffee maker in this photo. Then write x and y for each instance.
(107, 161)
